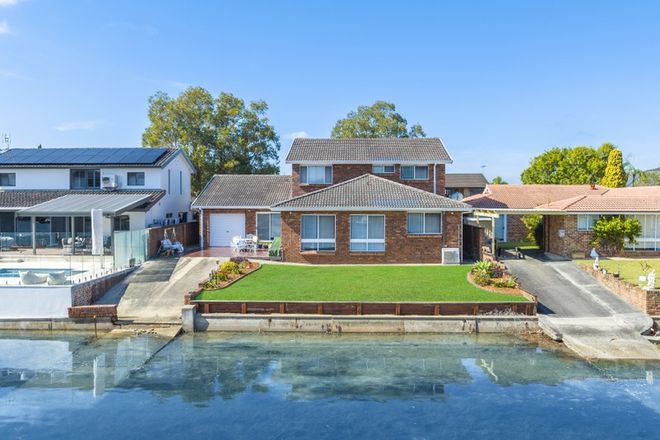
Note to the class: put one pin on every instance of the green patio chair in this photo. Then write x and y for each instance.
(275, 250)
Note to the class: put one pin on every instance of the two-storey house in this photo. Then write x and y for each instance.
(50, 192)
(347, 201)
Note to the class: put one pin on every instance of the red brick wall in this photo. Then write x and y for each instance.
(88, 292)
(647, 301)
(399, 246)
(515, 228)
(250, 220)
(98, 311)
(343, 172)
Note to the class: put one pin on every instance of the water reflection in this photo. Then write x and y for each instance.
(44, 376)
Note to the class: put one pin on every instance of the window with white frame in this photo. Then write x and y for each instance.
(382, 169)
(7, 179)
(135, 178)
(424, 223)
(315, 175)
(268, 225)
(317, 233)
(586, 222)
(367, 233)
(414, 172)
(650, 235)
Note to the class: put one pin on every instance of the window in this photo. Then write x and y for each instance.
(169, 181)
(650, 237)
(424, 223)
(586, 222)
(135, 179)
(367, 233)
(317, 233)
(414, 172)
(382, 169)
(122, 223)
(316, 175)
(7, 179)
(268, 225)
(85, 179)
(180, 183)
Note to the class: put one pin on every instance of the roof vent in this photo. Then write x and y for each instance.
(451, 256)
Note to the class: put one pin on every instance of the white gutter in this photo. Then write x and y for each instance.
(366, 208)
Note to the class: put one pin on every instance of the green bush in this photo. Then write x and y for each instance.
(481, 277)
(487, 267)
(510, 282)
(230, 267)
(610, 232)
(534, 225)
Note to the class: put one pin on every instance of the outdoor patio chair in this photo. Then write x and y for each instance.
(57, 278)
(168, 248)
(275, 250)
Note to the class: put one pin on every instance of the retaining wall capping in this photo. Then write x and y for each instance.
(65, 324)
(646, 300)
(363, 324)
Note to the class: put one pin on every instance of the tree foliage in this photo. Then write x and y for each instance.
(647, 178)
(611, 232)
(615, 175)
(379, 120)
(568, 166)
(498, 180)
(220, 135)
(534, 225)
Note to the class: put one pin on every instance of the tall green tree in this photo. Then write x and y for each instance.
(577, 165)
(615, 175)
(379, 120)
(498, 180)
(220, 135)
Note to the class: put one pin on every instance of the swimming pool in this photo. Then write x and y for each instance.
(12, 272)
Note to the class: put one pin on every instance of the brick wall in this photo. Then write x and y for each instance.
(343, 172)
(89, 292)
(515, 228)
(98, 311)
(250, 220)
(647, 301)
(399, 246)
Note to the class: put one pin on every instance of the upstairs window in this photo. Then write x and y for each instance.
(85, 179)
(382, 169)
(414, 172)
(7, 179)
(315, 175)
(135, 179)
(586, 222)
(424, 223)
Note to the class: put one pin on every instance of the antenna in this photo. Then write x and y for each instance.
(5, 142)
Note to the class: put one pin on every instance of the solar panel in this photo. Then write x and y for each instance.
(81, 156)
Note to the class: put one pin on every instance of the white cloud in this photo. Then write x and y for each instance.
(77, 125)
(4, 27)
(8, 2)
(296, 134)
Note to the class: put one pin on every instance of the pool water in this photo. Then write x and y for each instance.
(14, 272)
(289, 386)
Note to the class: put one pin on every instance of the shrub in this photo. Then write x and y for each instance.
(238, 260)
(487, 267)
(534, 225)
(610, 232)
(481, 278)
(510, 282)
(230, 267)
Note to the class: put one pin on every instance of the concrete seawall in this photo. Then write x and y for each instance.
(358, 324)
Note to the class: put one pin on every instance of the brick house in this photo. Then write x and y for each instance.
(461, 185)
(347, 201)
(570, 211)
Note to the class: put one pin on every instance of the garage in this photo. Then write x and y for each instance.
(223, 227)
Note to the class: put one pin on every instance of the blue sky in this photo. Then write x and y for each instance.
(499, 82)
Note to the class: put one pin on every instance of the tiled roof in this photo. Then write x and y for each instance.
(370, 150)
(637, 199)
(371, 192)
(465, 180)
(88, 157)
(17, 198)
(260, 190)
(526, 196)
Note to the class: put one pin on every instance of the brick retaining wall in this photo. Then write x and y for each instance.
(98, 311)
(89, 292)
(647, 301)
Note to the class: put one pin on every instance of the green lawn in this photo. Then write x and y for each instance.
(629, 269)
(523, 245)
(356, 283)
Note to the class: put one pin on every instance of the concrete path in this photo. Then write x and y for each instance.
(576, 309)
(154, 293)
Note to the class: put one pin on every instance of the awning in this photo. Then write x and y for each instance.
(112, 204)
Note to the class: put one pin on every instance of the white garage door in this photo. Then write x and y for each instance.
(223, 227)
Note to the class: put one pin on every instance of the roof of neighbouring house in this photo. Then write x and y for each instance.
(613, 200)
(368, 150)
(87, 157)
(25, 198)
(244, 190)
(465, 180)
(526, 196)
(369, 192)
(82, 204)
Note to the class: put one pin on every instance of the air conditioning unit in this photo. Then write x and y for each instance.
(109, 182)
(451, 256)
